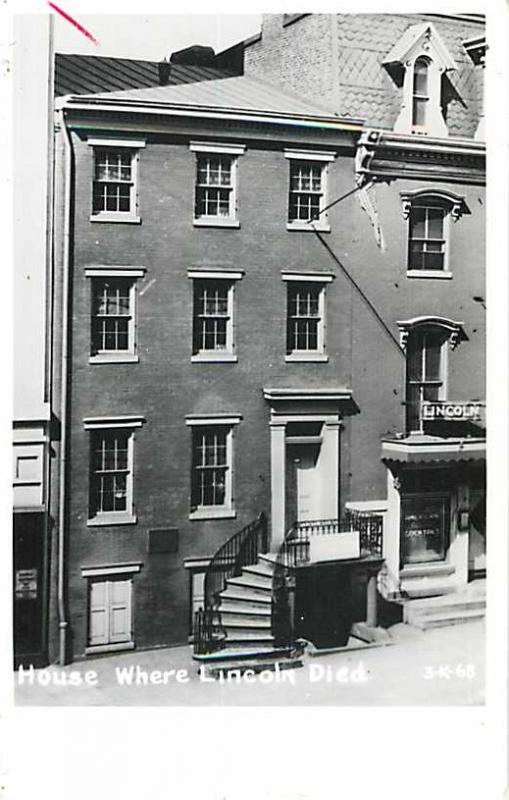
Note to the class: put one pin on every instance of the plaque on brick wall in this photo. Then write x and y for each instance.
(163, 540)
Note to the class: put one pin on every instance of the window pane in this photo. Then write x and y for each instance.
(414, 359)
(433, 260)
(435, 223)
(433, 346)
(421, 77)
(419, 111)
(418, 223)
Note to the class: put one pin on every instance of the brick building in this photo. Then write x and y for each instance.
(271, 304)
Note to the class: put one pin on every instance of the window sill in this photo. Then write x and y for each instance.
(322, 227)
(304, 357)
(114, 358)
(214, 358)
(108, 648)
(102, 520)
(213, 513)
(429, 273)
(113, 217)
(215, 222)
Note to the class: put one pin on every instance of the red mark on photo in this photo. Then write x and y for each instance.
(73, 21)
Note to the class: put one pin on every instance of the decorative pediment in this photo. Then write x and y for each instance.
(421, 40)
(453, 330)
(456, 203)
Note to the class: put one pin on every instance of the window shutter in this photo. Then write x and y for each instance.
(120, 611)
(98, 613)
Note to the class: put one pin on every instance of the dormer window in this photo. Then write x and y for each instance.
(421, 58)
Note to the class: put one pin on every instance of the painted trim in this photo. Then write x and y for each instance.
(127, 421)
(105, 141)
(115, 216)
(210, 274)
(304, 356)
(216, 147)
(312, 225)
(306, 393)
(215, 222)
(104, 519)
(307, 277)
(114, 271)
(214, 512)
(215, 357)
(309, 155)
(114, 358)
(429, 274)
(213, 419)
(112, 569)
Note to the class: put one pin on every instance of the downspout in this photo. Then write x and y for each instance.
(62, 621)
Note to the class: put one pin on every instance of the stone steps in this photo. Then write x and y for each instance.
(444, 619)
(451, 609)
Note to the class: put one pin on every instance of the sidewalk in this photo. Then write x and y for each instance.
(444, 666)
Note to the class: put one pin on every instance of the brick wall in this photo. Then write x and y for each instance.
(165, 386)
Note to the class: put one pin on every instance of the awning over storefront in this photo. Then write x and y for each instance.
(424, 449)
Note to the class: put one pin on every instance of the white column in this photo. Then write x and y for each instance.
(391, 540)
(277, 482)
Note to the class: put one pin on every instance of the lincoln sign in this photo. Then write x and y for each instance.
(470, 411)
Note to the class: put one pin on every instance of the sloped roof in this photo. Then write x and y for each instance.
(238, 93)
(82, 74)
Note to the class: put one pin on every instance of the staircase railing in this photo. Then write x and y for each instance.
(241, 550)
(295, 551)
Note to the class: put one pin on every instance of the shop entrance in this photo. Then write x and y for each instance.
(425, 527)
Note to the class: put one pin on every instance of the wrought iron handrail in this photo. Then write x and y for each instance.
(295, 551)
(241, 550)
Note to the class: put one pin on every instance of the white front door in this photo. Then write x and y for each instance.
(308, 484)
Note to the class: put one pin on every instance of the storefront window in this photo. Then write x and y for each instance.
(424, 528)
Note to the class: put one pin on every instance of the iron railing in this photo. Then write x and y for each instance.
(295, 551)
(241, 550)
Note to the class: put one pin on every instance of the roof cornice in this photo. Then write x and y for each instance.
(387, 155)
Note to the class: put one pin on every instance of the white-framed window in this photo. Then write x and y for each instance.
(213, 315)
(426, 371)
(429, 215)
(113, 313)
(110, 607)
(212, 466)
(115, 179)
(307, 192)
(427, 237)
(111, 470)
(215, 193)
(305, 316)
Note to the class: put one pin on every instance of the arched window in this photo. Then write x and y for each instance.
(420, 93)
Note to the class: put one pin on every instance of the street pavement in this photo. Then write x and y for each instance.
(444, 666)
